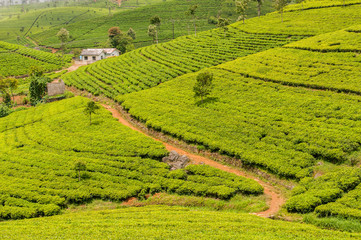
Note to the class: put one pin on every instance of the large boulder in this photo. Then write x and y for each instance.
(176, 161)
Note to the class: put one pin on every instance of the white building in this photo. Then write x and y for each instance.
(93, 55)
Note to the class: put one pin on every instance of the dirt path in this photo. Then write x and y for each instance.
(275, 199)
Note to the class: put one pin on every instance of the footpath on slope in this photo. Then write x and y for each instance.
(276, 200)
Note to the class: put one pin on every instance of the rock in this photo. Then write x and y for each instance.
(176, 161)
(319, 163)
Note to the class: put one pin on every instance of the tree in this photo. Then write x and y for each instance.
(120, 40)
(152, 32)
(13, 85)
(259, 4)
(131, 33)
(192, 12)
(280, 5)
(241, 7)
(6, 85)
(76, 53)
(203, 86)
(37, 88)
(90, 109)
(63, 36)
(155, 21)
(78, 167)
(223, 23)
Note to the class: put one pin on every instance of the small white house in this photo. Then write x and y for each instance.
(93, 55)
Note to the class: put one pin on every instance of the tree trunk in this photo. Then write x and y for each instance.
(243, 20)
(79, 175)
(259, 9)
(195, 27)
(282, 16)
(12, 95)
(90, 119)
(156, 35)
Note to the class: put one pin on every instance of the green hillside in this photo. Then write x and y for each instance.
(16, 60)
(41, 146)
(157, 222)
(149, 66)
(93, 32)
(16, 22)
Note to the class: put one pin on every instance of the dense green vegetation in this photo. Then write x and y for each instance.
(306, 22)
(93, 32)
(149, 66)
(266, 124)
(336, 193)
(157, 222)
(40, 147)
(16, 60)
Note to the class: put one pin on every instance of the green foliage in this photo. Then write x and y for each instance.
(122, 41)
(241, 8)
(79, 167)
(204, 85)
(16, 60)
(37, 88)
(63, 36)
(135, 70)
(91, 108)
(42, 150)
(303, 203)
(4, 110)
(263, 124)
(165, 222)
(92, 31)
(131, 33)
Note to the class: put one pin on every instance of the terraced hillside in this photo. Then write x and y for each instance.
(16, 60)
(93, 32)
(41, 147)
(163, 222)
(149, 66)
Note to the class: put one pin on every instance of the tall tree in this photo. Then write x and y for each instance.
(63, 36)
(13, 85)
(120, 40)
(90, 109)
(259, 5)
(203, 86)
(192, 12)
(241, 7)
(280, 5)
(38, 85)
(155, 21)
(78, 167)
(223, 23)
(152, 32)
(131, 33)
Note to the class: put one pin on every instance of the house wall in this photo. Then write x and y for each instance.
(56, 88)
(91, 59)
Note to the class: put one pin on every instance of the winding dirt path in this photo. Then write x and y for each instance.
(275, 199)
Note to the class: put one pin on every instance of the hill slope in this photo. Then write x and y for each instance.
(16, 60)
(40, 148)
(163, 222)
(149, 66)
(93, 32)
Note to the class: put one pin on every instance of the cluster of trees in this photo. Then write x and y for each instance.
(121, 40)
(242, 6)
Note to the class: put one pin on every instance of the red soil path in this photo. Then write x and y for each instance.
(275, 199)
